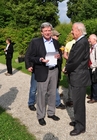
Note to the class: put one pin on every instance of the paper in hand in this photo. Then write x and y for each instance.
(51, 57)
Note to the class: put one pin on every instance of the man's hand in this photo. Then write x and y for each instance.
(64, 71)
(44, 60)
(57, 56)
(30, 69)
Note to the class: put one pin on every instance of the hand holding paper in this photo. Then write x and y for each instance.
(52, 57)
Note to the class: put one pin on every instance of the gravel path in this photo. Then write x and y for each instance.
(14, 97)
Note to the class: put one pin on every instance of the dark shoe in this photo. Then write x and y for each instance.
(92, 101)
(42, 121)
(69, 103)
(61, 106)
(55, 118)
(61, 95)
(32, 107)
(89, 97)
(72, 123)
(76, 132)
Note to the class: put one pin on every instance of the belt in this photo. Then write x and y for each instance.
(52, 68)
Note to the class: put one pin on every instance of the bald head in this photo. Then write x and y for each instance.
(92, 39)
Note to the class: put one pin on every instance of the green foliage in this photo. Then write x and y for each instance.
(64, 29)
(32, 13)
(91, 26)
(79, 10)
(21, 19)
(11, 129)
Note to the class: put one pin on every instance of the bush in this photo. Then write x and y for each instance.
(91, 26)
(64, 29)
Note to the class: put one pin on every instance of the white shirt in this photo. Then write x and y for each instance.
(49, 46)
(93, 57)
(6, 48)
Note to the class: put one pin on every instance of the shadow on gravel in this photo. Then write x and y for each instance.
(2, 71)
(8, 98)
(69, 110)
(16, 70)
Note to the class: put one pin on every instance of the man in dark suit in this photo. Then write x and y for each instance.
(9, 55)
(46, 72)
(77, 68)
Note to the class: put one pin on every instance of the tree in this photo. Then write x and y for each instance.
(79, 10)
(33, 12)
(5, 14)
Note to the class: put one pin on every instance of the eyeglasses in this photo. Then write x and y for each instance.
(57, 35)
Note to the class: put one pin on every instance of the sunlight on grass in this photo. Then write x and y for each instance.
(11, 129)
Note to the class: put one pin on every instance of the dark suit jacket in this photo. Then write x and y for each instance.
(10, 50)
(77, 64)
(37, 50)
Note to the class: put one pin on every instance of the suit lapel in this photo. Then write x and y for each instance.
(55, 45)
(42, 47)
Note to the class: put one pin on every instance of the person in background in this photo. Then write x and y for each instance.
(66, 55)
(92, 65)
(79, 77)
(9, 55)
(33, 83)
(46, 72)
(59, 105)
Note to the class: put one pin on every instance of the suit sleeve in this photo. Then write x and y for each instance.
(28, 63)
(31, 55)
(76, 56)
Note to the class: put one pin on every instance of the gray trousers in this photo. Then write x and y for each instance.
(47, 88)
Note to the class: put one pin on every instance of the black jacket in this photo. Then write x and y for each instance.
(10, 50)
(77, 63)
(37, 50)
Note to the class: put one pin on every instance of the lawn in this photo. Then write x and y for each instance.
(12, 129)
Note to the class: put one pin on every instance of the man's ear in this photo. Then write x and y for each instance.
(41, 33)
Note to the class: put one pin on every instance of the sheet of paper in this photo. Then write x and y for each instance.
(51, 57)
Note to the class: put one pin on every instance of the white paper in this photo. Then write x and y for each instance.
(51, 57)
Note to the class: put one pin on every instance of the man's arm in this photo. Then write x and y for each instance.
(28, 63)
(76, 56)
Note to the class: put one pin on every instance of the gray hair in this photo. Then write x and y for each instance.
(81, 27)
(46, 24)
(93, 36)
(50, 136)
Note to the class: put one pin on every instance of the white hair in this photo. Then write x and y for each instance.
(93, 36)
(81, 27)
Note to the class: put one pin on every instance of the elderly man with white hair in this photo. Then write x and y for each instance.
(79, 77)
(92, 65)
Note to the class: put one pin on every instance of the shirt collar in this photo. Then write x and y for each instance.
(80, 37)
(51, 40)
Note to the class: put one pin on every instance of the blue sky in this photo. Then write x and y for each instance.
(62, 12)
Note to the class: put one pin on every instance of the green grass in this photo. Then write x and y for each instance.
(11, 129)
